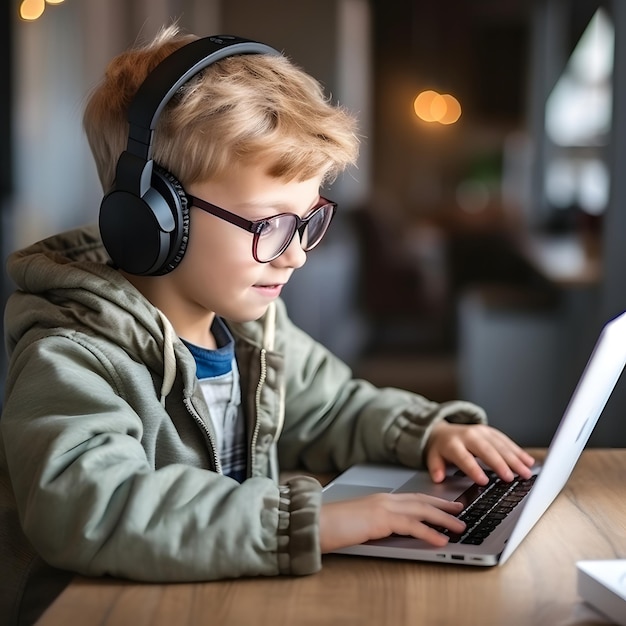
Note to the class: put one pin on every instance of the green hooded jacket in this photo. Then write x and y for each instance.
(107, 456)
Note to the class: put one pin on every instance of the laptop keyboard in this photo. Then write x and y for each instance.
(486, 506)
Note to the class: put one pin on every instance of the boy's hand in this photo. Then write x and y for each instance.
(351, 522)
(463, 444)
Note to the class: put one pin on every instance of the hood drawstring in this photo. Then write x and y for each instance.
(269, 336)
(269, 328)
(169, 357)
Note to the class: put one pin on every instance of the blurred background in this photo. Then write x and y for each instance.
(479, 246)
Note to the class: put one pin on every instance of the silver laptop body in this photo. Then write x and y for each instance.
(583, 411)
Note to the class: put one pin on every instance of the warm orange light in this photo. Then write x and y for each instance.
(31, 9)
(453, 109)
(431, 106)
(422, 105)
(438, 108)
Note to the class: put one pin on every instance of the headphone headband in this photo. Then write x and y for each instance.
(172, 73)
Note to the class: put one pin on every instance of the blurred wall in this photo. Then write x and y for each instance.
(6, 154)
(61, 56)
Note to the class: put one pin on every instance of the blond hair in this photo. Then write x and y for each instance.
(244, 108)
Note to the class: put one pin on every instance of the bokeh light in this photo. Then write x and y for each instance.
(431, 106)
(31, 10)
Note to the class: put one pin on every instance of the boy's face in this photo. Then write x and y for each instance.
(218, 272)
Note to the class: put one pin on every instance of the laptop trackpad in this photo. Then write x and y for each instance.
(341, 491)
(363, 480)
(452, 487)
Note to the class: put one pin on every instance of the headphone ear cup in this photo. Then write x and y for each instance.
(169, 186)
(146, 235)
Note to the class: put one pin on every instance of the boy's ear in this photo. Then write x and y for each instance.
(147, 234)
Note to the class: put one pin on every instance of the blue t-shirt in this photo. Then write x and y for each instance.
(218, 376)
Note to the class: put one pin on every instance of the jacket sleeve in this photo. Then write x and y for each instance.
(333, 420)
(91, 501)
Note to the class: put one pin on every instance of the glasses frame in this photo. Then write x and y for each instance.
(256, 226)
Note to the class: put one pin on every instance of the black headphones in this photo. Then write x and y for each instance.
(144, 219)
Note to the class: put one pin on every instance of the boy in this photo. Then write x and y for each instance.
(148, 409)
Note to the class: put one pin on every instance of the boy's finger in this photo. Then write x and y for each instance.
(474, 471)
(436, 467)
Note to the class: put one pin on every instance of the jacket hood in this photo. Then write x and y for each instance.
(67, 282)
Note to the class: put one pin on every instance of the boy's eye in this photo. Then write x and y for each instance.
(271, 226)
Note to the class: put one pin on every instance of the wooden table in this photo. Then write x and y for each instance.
(536, 587)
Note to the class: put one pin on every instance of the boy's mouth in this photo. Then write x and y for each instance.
(269, 290)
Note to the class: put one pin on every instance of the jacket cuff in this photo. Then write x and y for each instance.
(298, 526)
(409, 433)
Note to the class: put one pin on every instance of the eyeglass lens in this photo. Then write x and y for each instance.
(277, 232)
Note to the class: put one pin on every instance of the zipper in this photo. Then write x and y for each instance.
(257, 405)
(192, 411)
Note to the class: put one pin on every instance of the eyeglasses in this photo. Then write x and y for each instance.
(273, 235)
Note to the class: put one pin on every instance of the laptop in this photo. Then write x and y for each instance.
(499, 515)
